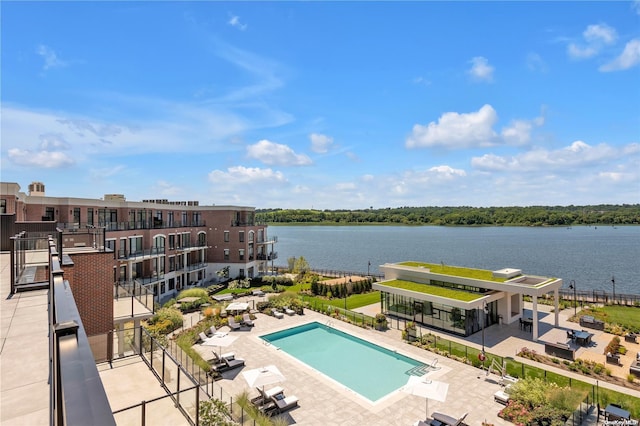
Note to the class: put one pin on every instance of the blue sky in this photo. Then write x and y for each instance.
(324, 105)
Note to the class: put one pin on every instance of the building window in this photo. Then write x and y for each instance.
(184, 219)
(202, 239)
(251, 233)
(196, 219)
(241, 254)
(49, 214)
(226, 236)
(186, 239)
(172, 263)
(90, 216)
(110, 245)
(170, 218)
(172, 283)
(162, 288)
(76, 215)
(226, 254)
(172, 242)
(241, 236)
(135, 245)
(241, 273)
(3, 206)
(122, 250)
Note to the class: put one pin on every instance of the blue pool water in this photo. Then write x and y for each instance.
(368, 369)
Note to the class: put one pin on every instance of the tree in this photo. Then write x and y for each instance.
(301, 266)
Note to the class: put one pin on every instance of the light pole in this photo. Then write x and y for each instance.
(613, 282)
(572, 285)
(369, 269)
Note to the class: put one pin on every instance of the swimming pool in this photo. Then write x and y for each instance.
(370, 370)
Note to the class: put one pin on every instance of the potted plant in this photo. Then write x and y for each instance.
(380, 322)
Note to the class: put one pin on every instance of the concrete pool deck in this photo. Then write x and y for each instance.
(324, 401)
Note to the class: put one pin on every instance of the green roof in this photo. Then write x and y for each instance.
(433, 290)
(456, 271)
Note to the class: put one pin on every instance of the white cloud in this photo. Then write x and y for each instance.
(454, 130)
(600, 34)
(596, 37)
(519, 131)
(40, 159)
(345, 186)
(636, 5)
(480, 69)
(578, 154)
(240, 175)
(535, 62)
(166, 189)
(320, 143)
(272, 153)
(629, 57)
(234, 21)
(446, 172)
(51, 59)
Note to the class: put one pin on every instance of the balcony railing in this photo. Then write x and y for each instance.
(137, 292)
(77, 395)
(195, 266)
(150, 279)
(152, 224)
(271, 256)
(268, 240)
(151, 252)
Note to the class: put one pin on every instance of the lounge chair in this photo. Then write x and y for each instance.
(276, 313)
(284, 403)
(421, 423)
(202, 337)
(213, 331)
(246, 320)
(289, 311)
(264, 396)
(228, 364)
(233, 324)
(218, 358)
(448, 420)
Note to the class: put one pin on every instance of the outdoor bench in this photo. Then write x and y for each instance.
(590, 322)
(613, 359)
(560, 350)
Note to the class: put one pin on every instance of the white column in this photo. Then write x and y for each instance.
(535, 318)
(556, 295)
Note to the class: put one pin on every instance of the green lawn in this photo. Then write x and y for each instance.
(456, 271)
(627, 317)
(354, 301)
(434, 290)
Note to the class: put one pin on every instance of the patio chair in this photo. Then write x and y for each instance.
(448, 420)
(284, 403)
(246, 320)
(228, 364)
(276, 313)
(213, 331)
(218, 358)
(264, 396)
(233, 324)
(289, 311)
(202, 337)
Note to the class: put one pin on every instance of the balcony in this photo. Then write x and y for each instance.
(140, 254)
(150, 279)
(271, 256)
(268, 240)
(195, 266)
(151, 224)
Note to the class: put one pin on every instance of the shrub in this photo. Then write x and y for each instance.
(193, 292)
(215, 413)
(165, 321)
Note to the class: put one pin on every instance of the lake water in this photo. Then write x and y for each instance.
(587, 254)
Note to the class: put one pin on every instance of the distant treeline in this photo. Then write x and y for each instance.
(625, 214)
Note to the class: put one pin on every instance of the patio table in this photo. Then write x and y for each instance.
(583, 338)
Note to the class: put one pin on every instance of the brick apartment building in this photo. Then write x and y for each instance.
(163, 245)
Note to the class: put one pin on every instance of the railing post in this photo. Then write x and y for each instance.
(143, 413)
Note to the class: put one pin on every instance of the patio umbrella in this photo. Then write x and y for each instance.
(237, 306)
(428, 389)
(260, 377)
(220, 340)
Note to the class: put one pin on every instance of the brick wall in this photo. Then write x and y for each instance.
(91, 280)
